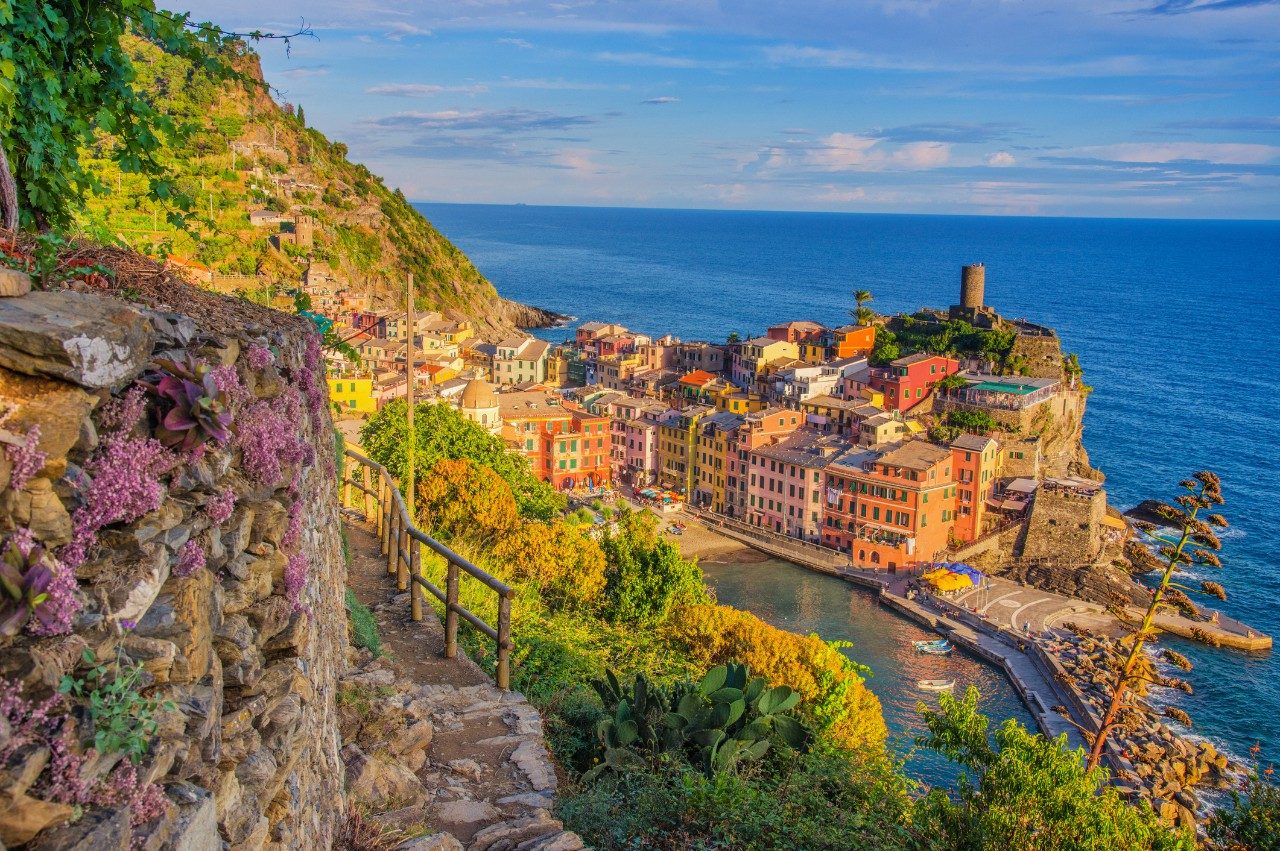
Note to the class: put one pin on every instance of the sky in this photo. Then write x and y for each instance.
(1147, 108)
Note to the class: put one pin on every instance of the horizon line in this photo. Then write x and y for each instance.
(847, 212)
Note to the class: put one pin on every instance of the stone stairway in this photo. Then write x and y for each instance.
(439, 747)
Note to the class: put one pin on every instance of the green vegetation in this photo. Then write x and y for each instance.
(1026, 791)
(975, 422)
(1253, 820)
(440, 432)
(364, 627)
(908, 335)
(123, 720)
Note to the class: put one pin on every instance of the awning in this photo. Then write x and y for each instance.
(952, 582)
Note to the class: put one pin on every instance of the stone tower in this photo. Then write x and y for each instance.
(304, 231)
(973, 281)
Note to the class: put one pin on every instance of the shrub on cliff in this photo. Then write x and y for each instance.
(566, 564)
(646, 578)
(831, 688)
(440, 432)
(1025, 791)
(461, 500)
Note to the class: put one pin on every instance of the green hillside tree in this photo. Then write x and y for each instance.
(65, 78)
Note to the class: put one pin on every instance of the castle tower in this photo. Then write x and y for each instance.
(304, 231)
(973, 281)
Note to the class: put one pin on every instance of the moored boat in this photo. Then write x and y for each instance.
(935, 685)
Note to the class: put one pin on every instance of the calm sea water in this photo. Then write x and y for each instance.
(1176, 324)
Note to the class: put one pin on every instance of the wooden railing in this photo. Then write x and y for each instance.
(402, 544)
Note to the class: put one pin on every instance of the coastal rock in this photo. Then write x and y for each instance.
(90, 340)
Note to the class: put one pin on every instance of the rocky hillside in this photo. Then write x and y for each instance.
(241, 151)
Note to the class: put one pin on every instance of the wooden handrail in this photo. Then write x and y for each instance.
(402, 543)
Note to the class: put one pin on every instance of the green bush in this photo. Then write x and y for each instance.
(818, 801)
(364, 628)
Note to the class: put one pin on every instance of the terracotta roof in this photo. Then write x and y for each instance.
(697, 378)
(915, 455)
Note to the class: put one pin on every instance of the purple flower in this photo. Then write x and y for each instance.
(219, 508)
(125, 486)
(128, 624)
(296, 570)
(268, 437)
(191, 559)
(26, 458)
(123, 414)
(259, 358)
(293, 531)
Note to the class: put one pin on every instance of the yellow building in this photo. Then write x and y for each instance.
(716, 439)
(557, 370)
(352, 395)
(736, 401)
(677, 448)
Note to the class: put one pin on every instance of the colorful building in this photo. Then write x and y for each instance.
(352, 395)
(565, 445)
(908, 381)
(757, 429)
(785, 483)
(677, 452)
(518, 360)
(752, 357)
(796, 332)
(716, 438)
(977, 461)
(888, 509)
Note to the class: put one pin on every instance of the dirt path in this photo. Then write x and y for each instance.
(488, 774)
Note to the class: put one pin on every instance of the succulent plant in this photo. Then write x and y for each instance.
(726, 718)
(193, 410)
(25, 577)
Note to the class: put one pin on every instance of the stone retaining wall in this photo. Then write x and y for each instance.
(218, 569)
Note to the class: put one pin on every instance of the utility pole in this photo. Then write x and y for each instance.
(408, 395)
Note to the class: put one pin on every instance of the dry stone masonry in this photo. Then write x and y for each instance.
(215, 567)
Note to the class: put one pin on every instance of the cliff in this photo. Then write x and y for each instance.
(193, 574)
(235, 151)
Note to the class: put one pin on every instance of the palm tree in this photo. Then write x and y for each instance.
(863, 315)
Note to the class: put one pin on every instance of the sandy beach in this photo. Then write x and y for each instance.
(710, 547)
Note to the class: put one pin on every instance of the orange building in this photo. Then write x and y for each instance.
(847, 341)
(893, 508)
(758, 429)
(976, 459)
(566, 445)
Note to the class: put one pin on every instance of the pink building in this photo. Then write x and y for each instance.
(784, 490)
(635, 441)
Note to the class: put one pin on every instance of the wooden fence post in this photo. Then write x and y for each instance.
(393, 536)
(402, 549)
(368, 497)
(415, 569)
(451, 611)
(504, 641)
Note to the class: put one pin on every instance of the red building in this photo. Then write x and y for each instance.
(796, 332)
(908, 381)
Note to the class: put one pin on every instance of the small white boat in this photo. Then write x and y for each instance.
(935, 685)
(932, 642)
(937, 650)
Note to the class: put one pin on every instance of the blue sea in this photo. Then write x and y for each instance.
(1177, 325)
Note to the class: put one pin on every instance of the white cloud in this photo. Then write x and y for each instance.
(920, 155)
(400, 29)
(656, 60)
(664, 99)
(1226, 153)
(852, 152)
(840, 195)
(579, 161)
(516, 42)
(846, 151)
(422, 90)
(1001, 158)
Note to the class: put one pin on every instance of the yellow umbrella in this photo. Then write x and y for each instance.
(935, 573)
(953, 582)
